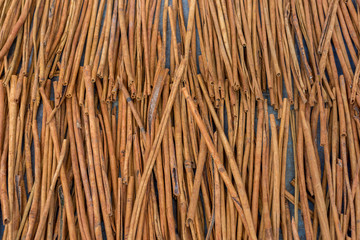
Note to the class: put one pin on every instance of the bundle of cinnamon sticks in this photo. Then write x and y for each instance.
(182, 119)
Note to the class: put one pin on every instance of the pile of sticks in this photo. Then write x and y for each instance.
(133, 120)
